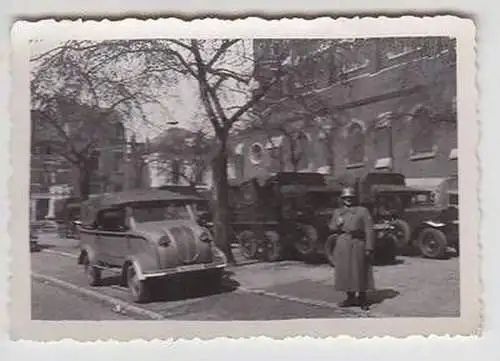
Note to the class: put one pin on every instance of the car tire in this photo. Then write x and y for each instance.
(248, 243)
(273, 248)
(403, 235)
(138, 288)
(432, 243)
(92, 272)
(329, 249)
(306, 242)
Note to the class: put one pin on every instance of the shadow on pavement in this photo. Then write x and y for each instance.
(181, 288)
(380, 296)
(383, 263)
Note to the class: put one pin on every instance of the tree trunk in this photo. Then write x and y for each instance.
(221, 221)
(84, 182)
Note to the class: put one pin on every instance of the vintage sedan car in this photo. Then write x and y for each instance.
(147, 235)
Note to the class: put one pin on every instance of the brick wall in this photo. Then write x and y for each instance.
(416, 96)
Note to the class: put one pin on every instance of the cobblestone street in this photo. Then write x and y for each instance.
(414, 287)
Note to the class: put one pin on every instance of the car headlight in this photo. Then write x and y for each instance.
(164, 241)
(205, 237)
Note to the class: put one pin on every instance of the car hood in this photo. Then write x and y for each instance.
(156, 230)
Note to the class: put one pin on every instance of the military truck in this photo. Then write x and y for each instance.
(283, 216)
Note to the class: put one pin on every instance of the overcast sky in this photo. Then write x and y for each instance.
(182, 105)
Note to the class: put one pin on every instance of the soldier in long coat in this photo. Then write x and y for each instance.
(353, 251)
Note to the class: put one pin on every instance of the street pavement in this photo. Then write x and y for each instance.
(50, 302)
(414, 287)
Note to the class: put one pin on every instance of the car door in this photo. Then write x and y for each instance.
(112, 236)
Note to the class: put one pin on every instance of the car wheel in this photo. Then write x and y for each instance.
(92, 272)
(306, 241)
(402, 235)
(137, 288)
(248, 244)
(273, 247)
(432, 243)
(329, 249)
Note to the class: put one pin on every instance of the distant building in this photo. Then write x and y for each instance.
(180, 157)
(54, 177)
(390, 107)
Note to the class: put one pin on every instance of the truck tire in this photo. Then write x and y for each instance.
(248, 243)
(273, 247)
(403, 235)
(306, 241)
(432, 243)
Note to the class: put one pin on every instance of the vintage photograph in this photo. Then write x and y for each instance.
(246, 179)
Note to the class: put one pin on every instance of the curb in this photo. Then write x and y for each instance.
(310, 302)
(129, 308)
(60, 253)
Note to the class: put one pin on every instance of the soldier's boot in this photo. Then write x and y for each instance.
(350, 301)
(363, 301)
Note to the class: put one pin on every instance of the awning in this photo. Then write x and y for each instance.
(275, 142)
(394, 188)
(238, 149)
(430, 184)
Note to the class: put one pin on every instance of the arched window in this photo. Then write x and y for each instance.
(422, 129)
(355, 143)
(301, 151)
(256, 154)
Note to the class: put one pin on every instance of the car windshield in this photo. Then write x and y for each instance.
(161, 212)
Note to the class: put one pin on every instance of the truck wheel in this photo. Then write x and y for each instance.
(306, 241)
(402, 236)
(329, 249)
(273, 247)
(385, 251)
(248, 244)
(138, 289)
(432, 243)
(92, 272)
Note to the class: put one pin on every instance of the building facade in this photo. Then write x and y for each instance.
(391, 106)
(113, 166)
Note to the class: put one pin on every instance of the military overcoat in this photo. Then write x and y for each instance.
(353, 269)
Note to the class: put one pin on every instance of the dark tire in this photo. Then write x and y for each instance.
(432, 243)
(248, 244)
(273, 249)
(306, 241)
(92, 272)
(385, 252)
(138, 289)
(329, 249)
(402, 235)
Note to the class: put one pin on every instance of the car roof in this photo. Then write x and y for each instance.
(141, 195)
(91, 207)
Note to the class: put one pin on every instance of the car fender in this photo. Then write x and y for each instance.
(141, 262)
(434, 224)
(87, 250)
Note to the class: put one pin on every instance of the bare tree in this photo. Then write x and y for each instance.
(126, 74)
(189, 152)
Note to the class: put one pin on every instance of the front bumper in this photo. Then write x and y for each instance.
(187, 269)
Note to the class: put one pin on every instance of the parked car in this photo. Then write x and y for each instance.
(434, 222)
(34, 246)
(286, 214)
(67, 211)
(147, 235)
